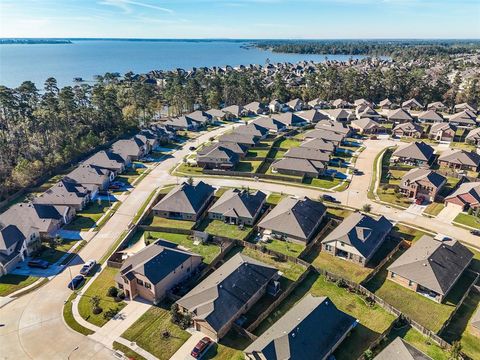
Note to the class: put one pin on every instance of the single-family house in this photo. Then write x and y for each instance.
(299, 167)
(460, 160)
(412, 104)
(276, 106)
(156, 269)
(399, 116)
(399, 349)
(437, 106)
(256, 108)
(238, 149)
(431, 267)
(307, 153)
(296, 105)
(92, 177)
(130, 149)
(430, 116)
(202, 118)
(408, 129)
(16, 244)
(217, 114)
(340, 103)
(363, 111)
(385, 104)
(357, 238)
(335, 126)
(442, 132)
(294, 219)
(182, 123)
(341, 115)
(259, 131)
(473, 136)
(464, 106)
(247, 140)
(416, 153)
(466, 196)
(272, 125)
(465, 119)
(362, 102)
(185, 202)
(236, 111)
(420, 182)
(226, 294)
(217, 156)
(289, 119)
(318, 104)
(319, 144)
(66, 193)
(108, 160)
(367, 126)
(239, 207)
(311, 330)
(329, 136)
(312, 116)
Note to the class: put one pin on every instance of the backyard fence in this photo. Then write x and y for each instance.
(253, 175)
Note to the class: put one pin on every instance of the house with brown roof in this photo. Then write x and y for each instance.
(366, 112)
(422, 182)
(296, 105)
(226, 294)
(416, 153)
(385, 104)
(466, 196)
(460, 160)
(442, 132)
(155, 270)
(357, 238)
(362, 102)
(412, 104)
(408, 129)
(464, 106)
(367, 126)
(299, 167)
(437, 106)
(256, 108)
(473, 136)
(294, 219)
(431, 267)
(399, 116)
(430, 116)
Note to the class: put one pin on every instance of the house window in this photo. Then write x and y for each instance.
(140, 282)
(120, 286)
(328, 247)
(148, 285)
(392, 275)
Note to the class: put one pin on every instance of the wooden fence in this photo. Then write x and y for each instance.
(298, 180)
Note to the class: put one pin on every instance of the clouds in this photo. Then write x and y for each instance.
(127, 6)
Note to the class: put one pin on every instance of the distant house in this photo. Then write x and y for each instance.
(238, 149)
(15, 245)
(299, 167)
(385, 104)
(331, 125)
(312, 116)
(465, 119)
(330, 136)
(183, 123)
(218, 156)
(466, 196)
(460, 160)
(238, 207)
(363, 111)
(318, 104)
(258, 131)
(202, 118)
(294, 219)
(246, 140)
(217, 114)
(399, 116)
(108, 160)
(442, 132)
(276, 106)
(399, 349)
(430, 116)
(256, 108)
(422, 182)
(340, 103)
(185, 202)
(367, 126)
(130, 149)
(66, 193)
(341, 115)
(289, 119)
(357, 238)
(319, 144)
(464, 106)
(272, 125)
(431, 267)
(156, 269)
(150, 137)
(236, 111)
(408, 129)
(91, 177)
(295, 105)
(436, 106)
(308, 153)
(362, 102)
(412, 104)
(311, 330)
(45, 218)
(473, 137)
(416, 153)
(226, 294)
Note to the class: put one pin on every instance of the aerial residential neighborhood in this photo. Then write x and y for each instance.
(239, 180)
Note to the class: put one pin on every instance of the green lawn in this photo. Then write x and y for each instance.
(257, 153)
(53, 255)
(468, 220)
(87, 218)
(434, 209)
(289, 143)
(462, 145)
(447, 189)
(277, 154)
(130, 176)
(247, 166)
(129, 353)
(148, 329)
(230, 347)
(169, 223)
(323, 183)
(10, 283)
(99, 287)
(70, 319)
(207, 251)
(338, 213)
(285, 247)
(274, 198)
(407, 233)
(413, 304)
(373, 320)
(189, 170)
(343, 268)
(220, 228)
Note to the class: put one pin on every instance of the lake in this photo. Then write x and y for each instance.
(87, 58)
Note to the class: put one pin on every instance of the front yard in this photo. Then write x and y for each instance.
(148, 332)
(87, 218)
(323, 182)
(99, 287)
(10, 283)
(468, 220)
(434, 209)
(53, 255)
(220, 228)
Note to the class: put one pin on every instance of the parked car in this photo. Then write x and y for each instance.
(330, 198)
(419, 200)
(201, 347)
(114, 187)
(475, 232)
(87, 267)
(191, 148)
(76, 282)
(38, 263)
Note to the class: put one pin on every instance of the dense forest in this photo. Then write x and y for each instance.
(42, 129)
(396, 49)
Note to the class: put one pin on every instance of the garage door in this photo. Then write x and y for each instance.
(454, 207)
(206, 331)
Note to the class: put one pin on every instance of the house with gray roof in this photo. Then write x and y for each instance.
(430, 116)
(318, 104)
(326, 135)
(442, 132)
(357, 238)
(218, 156)
(460, 160)
(319, 144)
(272, 125)
(399, 116)
(150, 137)
(464, 106)
(92, 177)
(185, 202)
(308, 154)
(295, 105)
(408, 129)
(183, 123)
(363, 111)
(473, 136)
(340, 103)
(256, 108)
(131, 149)
(436, 106)
(338, 114)
(294, 219)
(15, 245)
(202, 118)
(235, 111)
(239, 207)
(226, 294)
(247, 140)
(399, 349)
(108, 160)
(311, 330)
(155, 270)
(299, 167)
(332, 125)
(431, 267)
(217, 114)
(464, 119)
(416, 153)
(419, 182)
(238, 149)
(367, 126)
(289, 119)
(412, 104)
(385, 104)
(362, 102)
(312, 116)
(466, 196)
(67, 193)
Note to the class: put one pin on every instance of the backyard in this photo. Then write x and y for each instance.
(247, 166)
(220, 228)
(289, 248)
(344, 268)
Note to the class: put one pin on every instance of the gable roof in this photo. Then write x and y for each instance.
(473, 134)
(319, 144)
(300, 165)
(408, 126)
(63, 192)
(417, 150)
(399, 114)
(268, 123)
(331, 125)
(385, 102)
(233, 109)
(220, 152)
(234, 147)
(128, 147)
(465, 106)
(156, 261)
(239, 203)
(441, 126)
(186, 198)
(433, 264)
(325, 135)
(307, 153)
(216, 113)
(412, 102)
(107, 160)
(255, 106)
(362, 232)
(366, 123)
(460, 157)
(288, 118)
(296, 217)
(219, 297)
(88, 174)
(337, 114)
(294, 103)
(417, 174)
(10, 235)
(430, 115)
(464, 117)
(312, 115)
(471, 188)
(399, 349)
(308, 331)
(239, 138)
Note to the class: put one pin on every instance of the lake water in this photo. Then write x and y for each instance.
(87, 58)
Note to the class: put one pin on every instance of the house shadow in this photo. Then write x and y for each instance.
(356, 343)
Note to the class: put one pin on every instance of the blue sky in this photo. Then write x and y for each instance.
(304, 19)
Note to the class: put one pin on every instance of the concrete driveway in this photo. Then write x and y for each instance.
(449, 213)
(184, 352)
(416, 209)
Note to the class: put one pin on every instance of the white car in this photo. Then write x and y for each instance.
(87, 267)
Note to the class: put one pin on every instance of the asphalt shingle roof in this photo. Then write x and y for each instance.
(186, 198)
